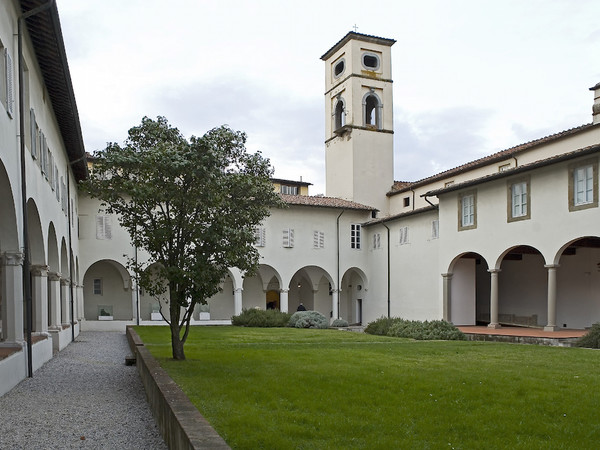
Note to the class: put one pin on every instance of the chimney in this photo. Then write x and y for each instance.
(596, 105)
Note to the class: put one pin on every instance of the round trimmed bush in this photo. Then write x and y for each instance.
(338, 323)
(308, 319)
(591, 339)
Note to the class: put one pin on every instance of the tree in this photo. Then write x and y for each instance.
(191, 205)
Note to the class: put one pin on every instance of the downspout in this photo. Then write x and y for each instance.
(413, 198)
(137, 287)
(388, 270)
(425, 197)
(26, 258)
(337, 225)
(70, 254)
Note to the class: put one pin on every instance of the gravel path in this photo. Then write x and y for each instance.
(85, 397)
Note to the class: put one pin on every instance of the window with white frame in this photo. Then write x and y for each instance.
(289, 190)
(583, 185)
(403, 236)
(377, 240)
(467, 211)
(435, 229)
(288, 238)
(355, 236)
(518, 200)
(260, 235)
(97, 288)
(318, 239)
(103, 227)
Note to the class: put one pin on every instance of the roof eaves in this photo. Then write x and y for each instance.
(401, 215)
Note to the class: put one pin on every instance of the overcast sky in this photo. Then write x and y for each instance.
(470, 77)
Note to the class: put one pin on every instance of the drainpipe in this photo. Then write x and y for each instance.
(413, 198)
(427, 200)
(137, 287)
(388, 270)
(26, 258)
(337, 224)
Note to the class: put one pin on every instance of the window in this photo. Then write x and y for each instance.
(435, 229)
(35, 131)
(370, 61)
(289, 190)
(103, 228)
(260, 236)
(377, 240)
(339, 113)
(355, 236)
(339, 68)
(406, 201)
(583, 185)
(318, 239)
(7, 83)
(467, 211)
(518, 200)
(288, 238)
(403, 236)
(372, 110)
(97, 286)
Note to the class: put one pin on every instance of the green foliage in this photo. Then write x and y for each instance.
(591, 339)
(415, 329)
(337, 323)
(192, 205)
(380, 327)
(308, 319)
(261, 318)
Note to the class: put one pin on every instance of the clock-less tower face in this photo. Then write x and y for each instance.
(359, 119)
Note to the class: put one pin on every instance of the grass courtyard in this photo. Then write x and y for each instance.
(307, 389)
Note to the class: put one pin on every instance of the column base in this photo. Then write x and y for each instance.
(550, 328)
(494, 326)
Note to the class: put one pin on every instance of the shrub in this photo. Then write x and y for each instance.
(591, 339)
(308, 319)
(381, 326)
(339, 323)
(261, 318)
(428, 330)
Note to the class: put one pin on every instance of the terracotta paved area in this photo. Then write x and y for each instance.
(522, 331)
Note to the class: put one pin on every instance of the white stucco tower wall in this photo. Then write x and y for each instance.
(359, 120)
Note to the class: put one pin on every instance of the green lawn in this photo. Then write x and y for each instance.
(301, 389)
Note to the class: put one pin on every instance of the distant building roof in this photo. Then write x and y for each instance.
(324, 202)
(46, 36)
(293, 182)
(403, 186)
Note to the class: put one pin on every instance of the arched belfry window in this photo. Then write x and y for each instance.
(372, 110)
(339, 114)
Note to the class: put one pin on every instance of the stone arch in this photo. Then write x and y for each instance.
(339, 113)
(9, 235)
(107, 289)
(53, 259)
(352, 295)
(372, 110)
(255, 288)
(64, 259)
(467, 290)
(312, 286)
(37, 249)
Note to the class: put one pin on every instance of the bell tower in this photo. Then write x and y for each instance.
(359, 145)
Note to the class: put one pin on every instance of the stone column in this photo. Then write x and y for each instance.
(12, 297)
(79, 303)
(447, 279)
(237, 301)
(551, 297)
(39, 284)
(283, 300)
(64, 301)
(54, 299)
(334, 304)
(494, 298)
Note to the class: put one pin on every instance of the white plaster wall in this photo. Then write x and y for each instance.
(113, 293)
(463, 293)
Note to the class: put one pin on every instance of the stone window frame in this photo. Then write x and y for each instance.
(593, 162)
(461, 196)
(509, 199)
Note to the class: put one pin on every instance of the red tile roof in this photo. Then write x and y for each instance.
(324, 202)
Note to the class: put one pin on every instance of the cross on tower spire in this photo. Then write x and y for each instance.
(355, 28)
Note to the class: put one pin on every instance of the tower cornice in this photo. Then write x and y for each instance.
(359, 37)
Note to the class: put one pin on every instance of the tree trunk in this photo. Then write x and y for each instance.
(176, 343)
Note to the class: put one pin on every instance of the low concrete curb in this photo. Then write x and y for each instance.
(180, 423)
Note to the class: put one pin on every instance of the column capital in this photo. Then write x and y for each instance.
(447, 275)
(39, 270)
(12, 259)
(65, 282)
(551, 266)
(53, 276)
(284, 291)
(493, 271)
(238, 289)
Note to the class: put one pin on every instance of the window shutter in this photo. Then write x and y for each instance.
(259, 236)
(103, 228)
(10, 84)
(403, 235)
(435, 229)
(43, 154)
(318, 239)
(288, 238)
(33, 129)
(57, 186)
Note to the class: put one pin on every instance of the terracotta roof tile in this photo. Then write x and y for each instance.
(324, 202)
(498, 156)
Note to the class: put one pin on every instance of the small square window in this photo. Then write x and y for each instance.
(406, 201)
